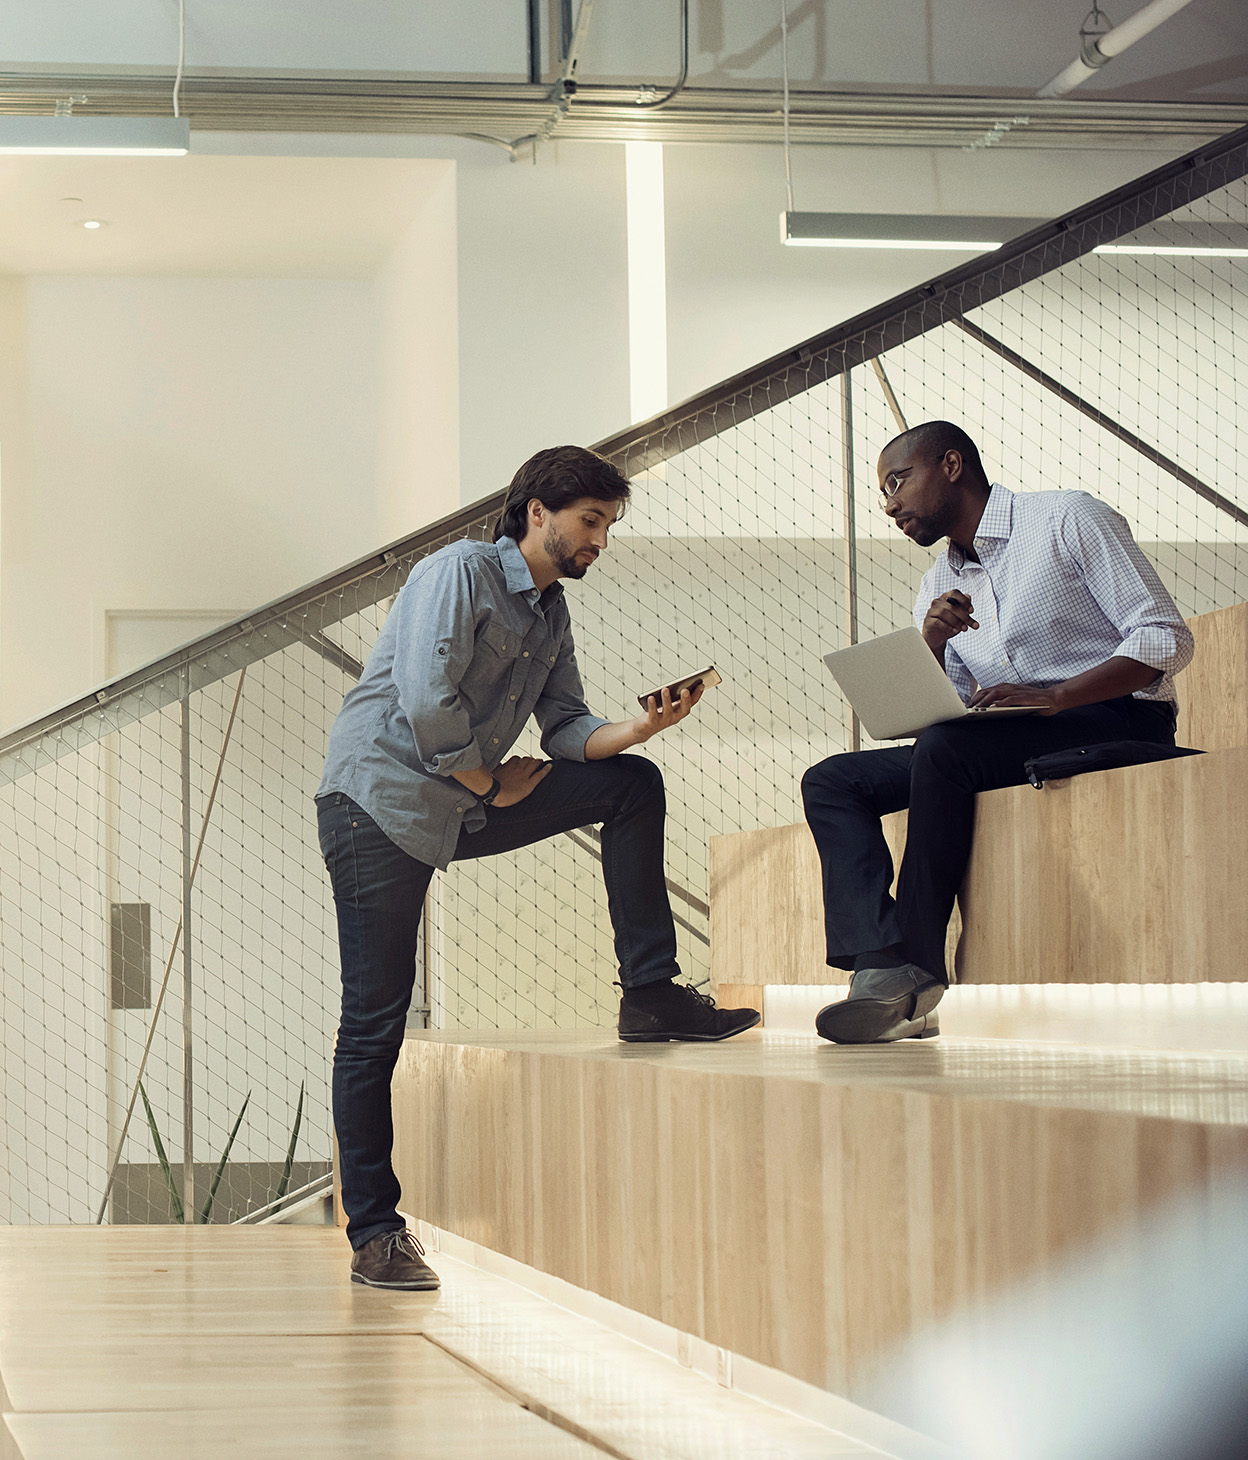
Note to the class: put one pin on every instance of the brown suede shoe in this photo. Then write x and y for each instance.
(393, 1260)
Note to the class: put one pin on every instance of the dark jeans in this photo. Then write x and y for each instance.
(937, 778)
(379, 893)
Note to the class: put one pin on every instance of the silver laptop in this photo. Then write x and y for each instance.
(897, 688)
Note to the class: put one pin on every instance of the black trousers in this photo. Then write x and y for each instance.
(379, 893)
(937, 778)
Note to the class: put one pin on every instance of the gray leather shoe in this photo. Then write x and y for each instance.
(393, 1260)
(884, 1004)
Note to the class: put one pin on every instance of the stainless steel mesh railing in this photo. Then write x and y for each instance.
(163, 907)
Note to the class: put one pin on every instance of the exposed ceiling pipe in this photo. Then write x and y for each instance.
(565, 87)
(535, 42)
(1098, 50)
(655, 102)
(568, 87)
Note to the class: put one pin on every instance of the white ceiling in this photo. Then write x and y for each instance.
(979, 47)
(310, 217)
(252, 217)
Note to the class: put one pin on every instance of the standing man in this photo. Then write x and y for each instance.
(477, 641)
(1042, 599)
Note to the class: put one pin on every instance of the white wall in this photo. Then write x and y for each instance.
(14, 464)
(541, 288)
(737, 296)
(542, 262)
(417, 382)
(543, 305)
(191, 443)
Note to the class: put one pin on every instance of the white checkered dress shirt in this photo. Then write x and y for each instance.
(1060, 587)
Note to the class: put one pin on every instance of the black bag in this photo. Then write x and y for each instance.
(1058, 765)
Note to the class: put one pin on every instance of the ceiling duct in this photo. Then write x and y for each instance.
(375, 104)
(1099, 47)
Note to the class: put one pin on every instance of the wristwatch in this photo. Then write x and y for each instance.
(492, 794)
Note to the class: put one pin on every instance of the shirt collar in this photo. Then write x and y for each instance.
(995, 523)
(516, 572)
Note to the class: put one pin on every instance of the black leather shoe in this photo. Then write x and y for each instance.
(393, 1260)
(884, 1004)
(665, 1010)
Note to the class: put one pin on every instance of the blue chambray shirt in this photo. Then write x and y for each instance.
(1060, 587)
(468, 652)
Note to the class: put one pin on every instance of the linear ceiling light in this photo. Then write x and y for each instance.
(947, 244)
(899, 230)
(965, 234)
(96, 136)
(1193, 239)
(1156, 251)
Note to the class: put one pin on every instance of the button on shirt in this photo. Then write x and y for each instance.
(1060, 587)
(468, 652)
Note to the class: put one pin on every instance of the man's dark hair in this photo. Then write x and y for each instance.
(557, 477)
(933, 438)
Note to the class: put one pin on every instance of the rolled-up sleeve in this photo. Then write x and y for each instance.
(561, 711)
(1125, 585)
(433, 648)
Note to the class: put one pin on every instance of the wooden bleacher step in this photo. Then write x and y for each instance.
(1130, 876)
(806, 1205)
(1171, 1018)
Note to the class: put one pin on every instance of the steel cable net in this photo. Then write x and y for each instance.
(757, 550)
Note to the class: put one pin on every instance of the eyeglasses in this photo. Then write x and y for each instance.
(893, 483)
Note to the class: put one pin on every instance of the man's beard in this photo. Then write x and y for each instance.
(928, 530)
(561, 553)
(925, 532)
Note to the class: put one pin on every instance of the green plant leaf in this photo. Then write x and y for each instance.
(290, 1150)
(225, 1156)
(175, 1200)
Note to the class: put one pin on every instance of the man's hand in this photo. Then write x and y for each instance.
(1043, 701)
(662, 712)
(1107, 681)
(949, 614)
(518, 776)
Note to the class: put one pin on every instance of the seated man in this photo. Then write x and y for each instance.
(477, 641)
(1042, 599)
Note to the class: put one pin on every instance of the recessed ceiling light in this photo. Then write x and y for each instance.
(93, 223)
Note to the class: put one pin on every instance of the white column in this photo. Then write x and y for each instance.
(647, 280)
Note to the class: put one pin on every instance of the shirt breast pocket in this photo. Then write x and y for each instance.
(500, 642)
